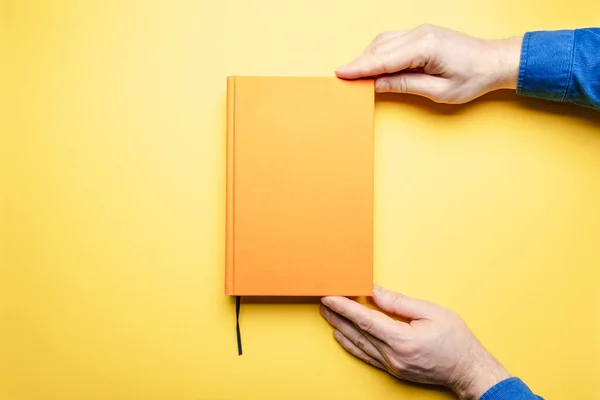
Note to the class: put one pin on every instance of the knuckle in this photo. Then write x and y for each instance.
(381, 37)
(407, 347)
(385, 60)
(409, 350)
(361, 341)
(430, 39)
(402, 88)
(398, 297)
(374, 48)
(368, 360)
(381, 64)
(397, 365)
(395, 344)
(426, 27)
(365, 324)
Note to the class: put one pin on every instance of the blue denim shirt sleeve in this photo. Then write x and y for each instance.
(562, 66)
(510, 389)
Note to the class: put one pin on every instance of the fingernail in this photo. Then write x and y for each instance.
(378, 290)
(337, 334)
(326, 301)
(342, 67)
(324, 311)
(381, 85)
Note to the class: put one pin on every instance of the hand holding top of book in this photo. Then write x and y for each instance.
(431, 345)
(438, 63)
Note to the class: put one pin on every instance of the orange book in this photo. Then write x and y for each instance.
(299, 186)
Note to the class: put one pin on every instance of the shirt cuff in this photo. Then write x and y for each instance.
(509, 389)
(546, 62)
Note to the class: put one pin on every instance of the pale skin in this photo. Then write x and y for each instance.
(433, 346)
(438, 63)
(427, 343)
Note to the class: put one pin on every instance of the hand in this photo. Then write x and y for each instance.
(438, 63)
(434, 346)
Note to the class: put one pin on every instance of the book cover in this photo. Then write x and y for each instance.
(299, 213)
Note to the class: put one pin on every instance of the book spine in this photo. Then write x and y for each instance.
(230, 167)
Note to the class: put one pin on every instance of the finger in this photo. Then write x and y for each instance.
(365, 342)
(391, 42)
(402, 305)
(385, 37)
(370, 321)
(355, 351)
(429, 86)
(410, 55)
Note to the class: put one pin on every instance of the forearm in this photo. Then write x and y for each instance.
(561, 66)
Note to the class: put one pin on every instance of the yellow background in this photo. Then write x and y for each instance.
(112, 209)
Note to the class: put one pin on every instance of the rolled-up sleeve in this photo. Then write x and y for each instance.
(562, 66)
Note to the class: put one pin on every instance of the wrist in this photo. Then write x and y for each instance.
(506, 55)
(479, 374)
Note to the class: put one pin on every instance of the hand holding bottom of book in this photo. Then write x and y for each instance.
(430, 344)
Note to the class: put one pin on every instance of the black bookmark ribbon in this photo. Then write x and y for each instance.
(237, 324)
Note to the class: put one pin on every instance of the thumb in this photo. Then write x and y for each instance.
(432, 87)
(401, 305)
